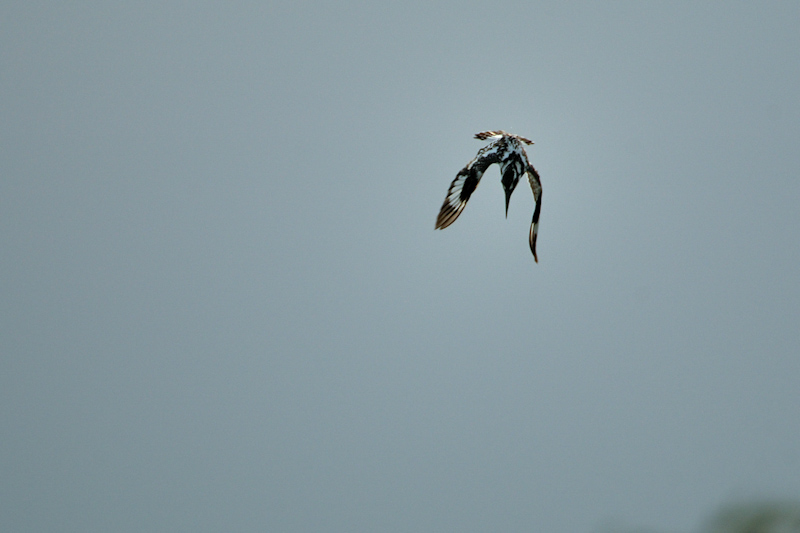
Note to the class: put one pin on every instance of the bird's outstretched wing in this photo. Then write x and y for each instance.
(465, 183)
(536, 187)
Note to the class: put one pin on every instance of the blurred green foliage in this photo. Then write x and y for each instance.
(765, 517)
(749, 517)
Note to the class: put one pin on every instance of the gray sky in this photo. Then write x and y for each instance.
(224, 306)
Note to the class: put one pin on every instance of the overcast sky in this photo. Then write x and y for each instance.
(224, 307)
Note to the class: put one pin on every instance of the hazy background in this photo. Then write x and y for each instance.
(223, 305)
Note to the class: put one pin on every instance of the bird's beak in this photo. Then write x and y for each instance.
(508, 199)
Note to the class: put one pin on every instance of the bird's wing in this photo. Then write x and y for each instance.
(536, 187)
(465, 183)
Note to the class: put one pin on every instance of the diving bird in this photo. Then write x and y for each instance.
(506, 149)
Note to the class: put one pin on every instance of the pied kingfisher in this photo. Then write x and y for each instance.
(506, 150)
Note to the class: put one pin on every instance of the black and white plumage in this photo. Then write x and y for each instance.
(507, 150)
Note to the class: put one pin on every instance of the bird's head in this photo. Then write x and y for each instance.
(508, 188)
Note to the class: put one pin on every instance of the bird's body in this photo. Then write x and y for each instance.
(507, 150)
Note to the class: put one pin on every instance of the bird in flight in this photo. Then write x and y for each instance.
(506, 149)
